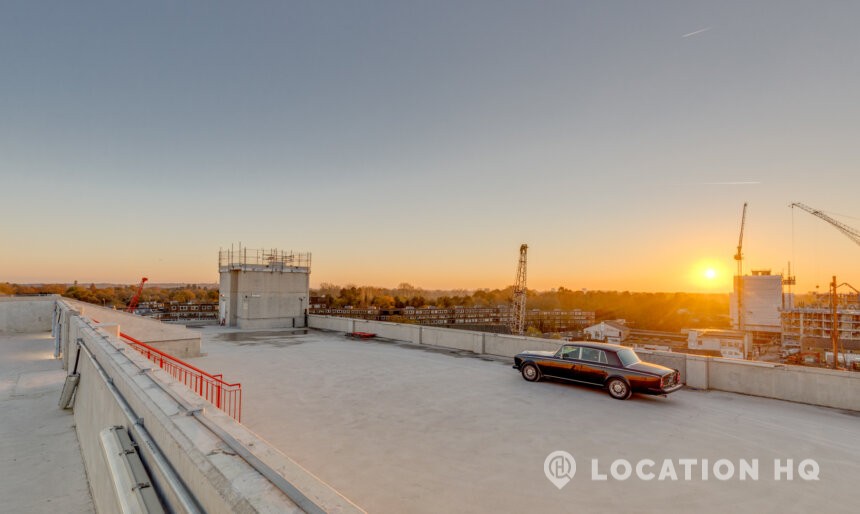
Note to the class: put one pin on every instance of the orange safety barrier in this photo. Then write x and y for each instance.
(212, 388)
(225, 396)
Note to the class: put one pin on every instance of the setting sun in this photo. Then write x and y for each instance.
(709, 275)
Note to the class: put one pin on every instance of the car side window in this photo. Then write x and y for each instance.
(603, 357)
(570, 353)
(594, 355)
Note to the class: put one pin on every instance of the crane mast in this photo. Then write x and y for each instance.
(852, 233)
(739, 278)
(136, 298)
(518, 309)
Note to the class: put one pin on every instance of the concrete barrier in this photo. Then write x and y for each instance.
(503, 345)
(26, 314)
(671, 360)
(333, 323)
(396, 331)
(816, 386)
(450, 338)
(215, 474)
(696, 373)
(173, 339)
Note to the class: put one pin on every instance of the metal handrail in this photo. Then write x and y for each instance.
(213, 388)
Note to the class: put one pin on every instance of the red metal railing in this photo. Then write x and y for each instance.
(212, 388)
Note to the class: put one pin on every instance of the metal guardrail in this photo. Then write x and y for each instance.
(212, 388)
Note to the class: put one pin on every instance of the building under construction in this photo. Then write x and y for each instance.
(760, 299)
(808, 329)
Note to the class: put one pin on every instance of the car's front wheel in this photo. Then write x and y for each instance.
(531, 372)
(618, 389)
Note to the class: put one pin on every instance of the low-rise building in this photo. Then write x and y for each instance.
(615, 332)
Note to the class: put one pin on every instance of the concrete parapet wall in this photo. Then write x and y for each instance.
(451, 338)
(26, 314)
(398, 331)
(696, 372)
(508, 345)
(173, 339)
(220, 480)
(671, 360)
(816, 386)
(333, 323)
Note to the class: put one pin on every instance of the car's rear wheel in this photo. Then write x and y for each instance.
(531, 373)
(618, 389)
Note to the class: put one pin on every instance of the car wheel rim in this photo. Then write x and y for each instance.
(530, 372)
(618, 388)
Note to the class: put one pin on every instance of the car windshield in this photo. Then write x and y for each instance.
(628, 357)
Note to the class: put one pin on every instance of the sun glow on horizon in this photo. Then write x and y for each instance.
(710, 275)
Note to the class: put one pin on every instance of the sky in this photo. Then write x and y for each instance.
(424, 141)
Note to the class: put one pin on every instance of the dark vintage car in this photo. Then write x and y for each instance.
(617, 368)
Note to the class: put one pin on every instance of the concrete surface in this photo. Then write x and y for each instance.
(40, 459)
(399, 427)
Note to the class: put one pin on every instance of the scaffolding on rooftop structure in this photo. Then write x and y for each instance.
(263, 259)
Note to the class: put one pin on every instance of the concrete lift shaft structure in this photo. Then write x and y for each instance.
(261, 289)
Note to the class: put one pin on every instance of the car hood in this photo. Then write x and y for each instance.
(647, 367)
(538, 352)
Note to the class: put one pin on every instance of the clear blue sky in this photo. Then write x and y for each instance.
(423, 142)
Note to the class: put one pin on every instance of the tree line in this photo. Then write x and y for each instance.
(648, 311)
(117, 296)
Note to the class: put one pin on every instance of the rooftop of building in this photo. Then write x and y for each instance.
(400, 427)
(40, 458)
(396, 426)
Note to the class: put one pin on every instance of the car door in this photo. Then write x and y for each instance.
(557, 366)
(591, 366)
(569, 362)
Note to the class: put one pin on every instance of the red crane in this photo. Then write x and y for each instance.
(136, 298)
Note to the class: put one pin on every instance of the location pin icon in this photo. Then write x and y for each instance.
(559, 467)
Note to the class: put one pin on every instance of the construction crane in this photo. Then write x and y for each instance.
(136, 298)
(739, 278)
(852, 233)
(518, 309)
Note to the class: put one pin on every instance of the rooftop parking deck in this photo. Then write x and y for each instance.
(41, 470)
(398, 427)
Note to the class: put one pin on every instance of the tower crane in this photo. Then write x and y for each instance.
(518, 309)
(852, 233)
(136, 298)
(739, 278)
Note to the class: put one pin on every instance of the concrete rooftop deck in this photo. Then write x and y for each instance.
(40, 459)
(401, 428)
